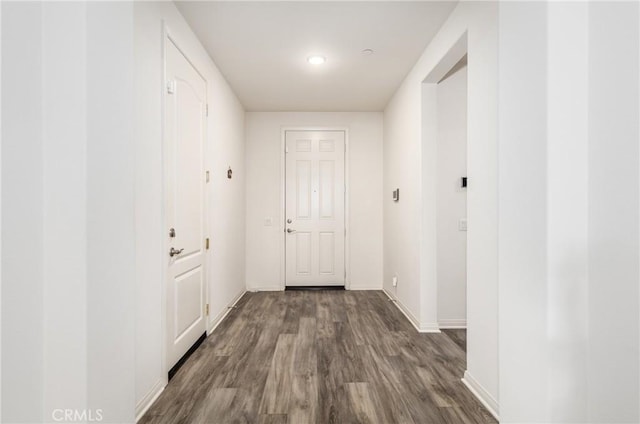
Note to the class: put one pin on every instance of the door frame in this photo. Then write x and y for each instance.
(283, 191)
(168, 37)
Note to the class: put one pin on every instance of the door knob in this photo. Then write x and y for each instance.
(173, 252)
(289, 230)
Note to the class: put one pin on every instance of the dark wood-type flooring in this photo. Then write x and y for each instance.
(319, 357)
(459, 336)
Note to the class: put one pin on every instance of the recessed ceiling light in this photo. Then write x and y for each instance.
(316, 60)
(367, 52)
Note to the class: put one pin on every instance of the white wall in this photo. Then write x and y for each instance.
(0, 213)
(523, 291)
(403, 226)
(68, 205)
(614, 134)
(225, 220)
(65, 202)
(22, 189)
(264, 194)
(452, 199)
(569, 165)
(567, 115)
(110, 210)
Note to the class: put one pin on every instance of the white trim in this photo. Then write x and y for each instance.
(452, 323)
(266, 288)
(164, 369)
(347, 227)
(283, 206)
(147, 400)
(365, 288)
(481, 394)
(420, 327)
(429, 328)
(1, 209)
(214, 323)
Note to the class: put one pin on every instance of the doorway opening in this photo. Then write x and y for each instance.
(451, 214)
(444, 242)
(451, 195)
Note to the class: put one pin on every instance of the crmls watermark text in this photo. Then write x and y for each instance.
(77, 415)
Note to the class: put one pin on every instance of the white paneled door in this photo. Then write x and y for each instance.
(185, 105)
(315, 208)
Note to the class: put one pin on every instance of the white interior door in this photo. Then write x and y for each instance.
(184, 136)
(315, 201)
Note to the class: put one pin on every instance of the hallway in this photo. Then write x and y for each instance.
(150, 181)
(319, 357)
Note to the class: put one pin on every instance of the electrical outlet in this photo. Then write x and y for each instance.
(394, 281)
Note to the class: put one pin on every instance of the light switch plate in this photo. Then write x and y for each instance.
(268, 222)
(462, 224)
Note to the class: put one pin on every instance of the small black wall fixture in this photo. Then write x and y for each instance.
(464, 182)
(229, 172)
(396, 195)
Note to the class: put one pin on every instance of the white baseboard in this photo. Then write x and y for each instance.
(483, 396)
(265, 288)
(452, 323)
(218, 319)
(429, 328)
(420, 327)
(147, 400)
(363, 288)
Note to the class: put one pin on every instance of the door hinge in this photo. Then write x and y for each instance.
(206, 309)
(206, 243)
(171, 86)
(206, 176)
(286, 149)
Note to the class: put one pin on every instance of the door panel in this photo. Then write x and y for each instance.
(303, 189)
(185, 102)
(327, 186)
(326, 255)
(315, 190)
(187, 301)
(188, 157)
(303, 253)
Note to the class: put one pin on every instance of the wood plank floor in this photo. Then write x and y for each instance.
(321, 357)
(459, 336)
